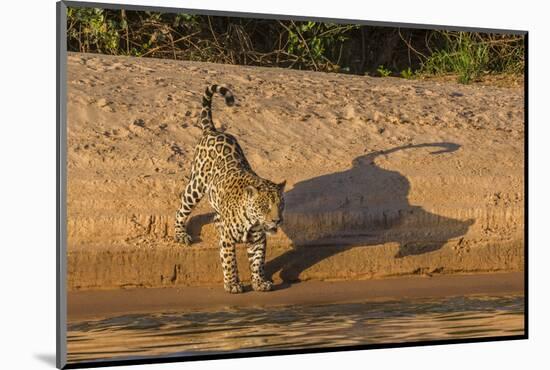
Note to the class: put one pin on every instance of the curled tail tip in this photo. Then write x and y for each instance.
(230, 100)
(223, 90)
(226, 93)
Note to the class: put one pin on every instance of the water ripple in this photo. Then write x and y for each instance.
(253, 329)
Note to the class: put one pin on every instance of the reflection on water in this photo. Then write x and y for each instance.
(293, 327)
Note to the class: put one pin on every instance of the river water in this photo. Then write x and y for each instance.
(294, 327)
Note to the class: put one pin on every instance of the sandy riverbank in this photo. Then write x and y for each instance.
(385, 176)
(107, 303)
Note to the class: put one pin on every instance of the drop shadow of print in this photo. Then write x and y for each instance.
(363, 206)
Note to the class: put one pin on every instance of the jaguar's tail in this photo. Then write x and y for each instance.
(205, 119)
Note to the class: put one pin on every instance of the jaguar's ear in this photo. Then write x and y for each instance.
(282, 185)
(251, 191)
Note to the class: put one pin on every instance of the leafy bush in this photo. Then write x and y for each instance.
(92, 30)
(314, 43)
(407, 73)
(470, 55)
(383, 71)
(461, 54)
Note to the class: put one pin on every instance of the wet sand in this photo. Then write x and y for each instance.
(108, 303)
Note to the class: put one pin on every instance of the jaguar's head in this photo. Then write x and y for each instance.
(265, 205)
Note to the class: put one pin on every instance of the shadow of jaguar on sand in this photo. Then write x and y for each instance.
(365, 205)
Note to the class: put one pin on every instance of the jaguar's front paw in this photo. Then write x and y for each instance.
(183, 238)
(233, 288)
(262, 285)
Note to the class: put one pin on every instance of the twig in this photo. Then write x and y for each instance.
(278, 50)
(123, 16)
(340, 54)
(331, 30)
(153, 50)
(306, 46)
(363, 51)
(409, 45)
(79, 37)
(173, 46)
(220, 49)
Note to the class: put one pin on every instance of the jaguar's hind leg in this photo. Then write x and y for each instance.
(193, 193)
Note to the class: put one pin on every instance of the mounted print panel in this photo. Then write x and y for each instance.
(241, 185)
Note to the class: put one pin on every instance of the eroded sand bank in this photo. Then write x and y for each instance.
(385, 177)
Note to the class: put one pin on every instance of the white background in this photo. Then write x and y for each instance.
(27, 206)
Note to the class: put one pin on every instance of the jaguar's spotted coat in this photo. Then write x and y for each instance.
(247, 206)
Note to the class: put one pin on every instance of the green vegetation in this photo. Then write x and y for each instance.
(316, 42)
(328, 47)
(92, 30)
(407, 73)
(383, 71)
(469, 55)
